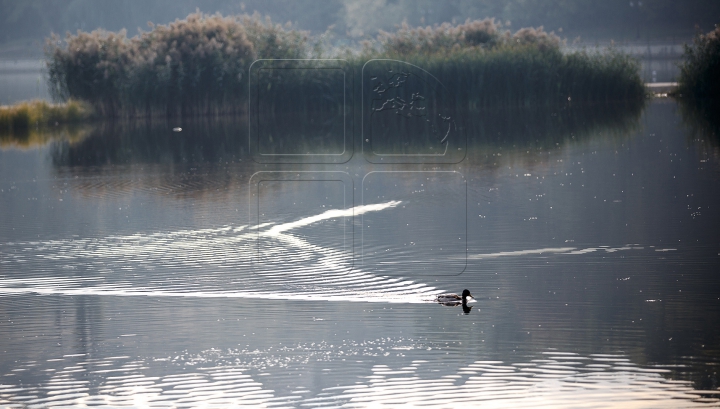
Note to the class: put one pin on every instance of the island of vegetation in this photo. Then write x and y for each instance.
(198, 66)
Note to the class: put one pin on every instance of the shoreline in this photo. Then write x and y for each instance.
(20, 116)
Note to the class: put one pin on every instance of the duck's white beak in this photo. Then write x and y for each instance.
(470, 299)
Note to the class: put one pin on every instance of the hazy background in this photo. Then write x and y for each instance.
(25, 24)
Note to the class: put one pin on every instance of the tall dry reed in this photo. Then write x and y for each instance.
(699, 72)
(199, 65)
(195, 66)
(484, 65)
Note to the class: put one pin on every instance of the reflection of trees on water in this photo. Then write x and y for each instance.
(127, 143)
(149, 156)
(38, 137)
(225, 141)
(701, 116)
(542, 128)
(213, 154)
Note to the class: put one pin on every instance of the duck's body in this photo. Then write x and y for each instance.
(454, 298)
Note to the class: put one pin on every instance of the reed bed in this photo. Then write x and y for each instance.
(199, 66)
(699, 72)
(484, 65)
(196, 66)
(699, 88)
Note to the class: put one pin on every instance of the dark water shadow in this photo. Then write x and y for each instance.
(156, 142)
(37, 137)
(702, 117)
(542, 128)
(226, 139)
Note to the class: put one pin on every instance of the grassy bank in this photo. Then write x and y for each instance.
(199, 66)
(25, 116)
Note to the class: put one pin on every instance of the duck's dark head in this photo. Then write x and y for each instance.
(466, 294)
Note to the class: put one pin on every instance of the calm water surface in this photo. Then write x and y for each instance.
(22, 80)
(144, 267)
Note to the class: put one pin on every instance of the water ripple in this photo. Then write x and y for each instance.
(212, 262)
(548, 382)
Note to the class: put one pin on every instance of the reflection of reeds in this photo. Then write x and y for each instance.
(700, 115)
(523, 129)
(202, 140)
(36, 137)
(225, 140)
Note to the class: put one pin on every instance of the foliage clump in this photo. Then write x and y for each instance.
(486, 65)
(468, 37)
(700, 72)
(442, 39)
(199, 65)
(192, 66)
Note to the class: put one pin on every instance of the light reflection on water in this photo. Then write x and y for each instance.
(129, 273)
(181, 257)
(242, 377)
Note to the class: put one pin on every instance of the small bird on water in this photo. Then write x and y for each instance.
(454, 298)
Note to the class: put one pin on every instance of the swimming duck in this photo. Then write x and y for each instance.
(454, 298)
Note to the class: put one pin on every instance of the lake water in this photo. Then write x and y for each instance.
(212, 267)
(22, 80)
